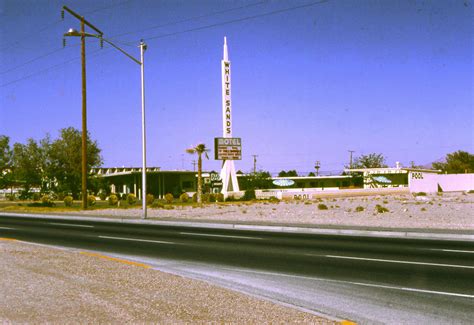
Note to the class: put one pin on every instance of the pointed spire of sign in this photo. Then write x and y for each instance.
(226, 55)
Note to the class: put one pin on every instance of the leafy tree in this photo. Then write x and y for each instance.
(65, 160)
(28, 161)
(290, 173)
(372, 160)
(311, 174)
(6, 154)
(199, 150)
(259, 180)
(457, 163)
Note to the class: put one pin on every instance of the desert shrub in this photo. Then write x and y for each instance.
(149, 199)
(36, 196)
(420, 194)
(205, 197)
(274, 199)
(249, 195)
(91, 200)
(46, 199)
(322, 206)
(168, 207)
(157, 205)
(131, 199)
(359, 209)
(102, 196)
(470, 192)
(212, 197)
(195, 197)
(230, 198)
(381, 209)
(423, 209)
(61, 196)
(113, 200)
(184, 198)
(220, 197)
(169, 198)
(308, 202)
(68, 200)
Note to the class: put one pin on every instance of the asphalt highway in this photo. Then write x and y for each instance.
(369, 280)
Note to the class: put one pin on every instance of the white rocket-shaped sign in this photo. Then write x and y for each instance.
(226, 100)
(228, 175)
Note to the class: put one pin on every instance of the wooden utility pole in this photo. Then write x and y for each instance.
(84, 117)
(83, 36)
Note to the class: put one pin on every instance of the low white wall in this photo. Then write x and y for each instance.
(430, 183)
(308, 194)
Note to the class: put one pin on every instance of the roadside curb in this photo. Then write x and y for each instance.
(448, 235)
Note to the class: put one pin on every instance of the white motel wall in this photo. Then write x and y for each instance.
(430, 183)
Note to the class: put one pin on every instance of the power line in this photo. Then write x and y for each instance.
(191, 19)
(238, 20)
(49, 68)
(175, 33)
(107, 7)
(42, 29)
(32, 60)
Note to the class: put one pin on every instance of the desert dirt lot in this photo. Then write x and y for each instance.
(444, 211)
(49, 285)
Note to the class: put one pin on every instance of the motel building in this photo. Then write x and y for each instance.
(125, 180)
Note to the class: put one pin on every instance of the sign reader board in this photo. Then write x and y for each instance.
(227, 149)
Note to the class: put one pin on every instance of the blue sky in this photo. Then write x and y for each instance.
(391, 77)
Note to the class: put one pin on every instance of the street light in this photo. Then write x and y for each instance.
(72, 32)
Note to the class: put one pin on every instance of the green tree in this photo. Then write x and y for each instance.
(6, 155)
(28, 165)
(199, 150)
(259, 180)
(372, 160)
(65, 160)
(311, 174)
(457, 163)
(290, 173)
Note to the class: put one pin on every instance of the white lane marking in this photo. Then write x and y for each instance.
(138, 239)
(451, 250)
(7, 228)
(222, 236)
(70, 225)
(394, 261)
(443, 293)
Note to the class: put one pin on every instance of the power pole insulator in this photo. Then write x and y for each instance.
(62, 14)
(64, 42)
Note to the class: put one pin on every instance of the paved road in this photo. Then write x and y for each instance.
(369, 280)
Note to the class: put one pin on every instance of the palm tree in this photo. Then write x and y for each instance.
(199, 150)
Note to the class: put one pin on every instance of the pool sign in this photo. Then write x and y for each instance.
(227, 149)
(283, 182)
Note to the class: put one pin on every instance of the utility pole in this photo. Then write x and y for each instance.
(350, 158)
(194, 165)
(84, 97)
(317, 165)
(141, 62)
(254, 164)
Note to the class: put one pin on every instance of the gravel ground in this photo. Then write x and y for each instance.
(446, 211)
(47, 285)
